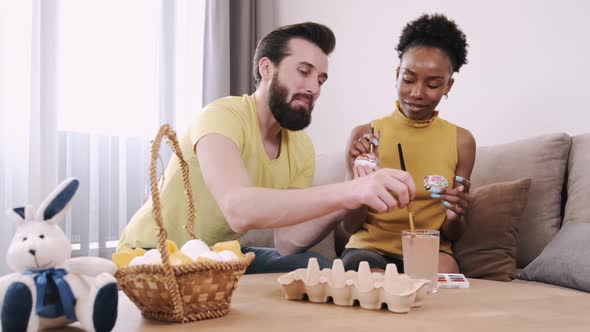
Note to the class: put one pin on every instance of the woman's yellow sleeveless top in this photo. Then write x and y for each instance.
(429, 147)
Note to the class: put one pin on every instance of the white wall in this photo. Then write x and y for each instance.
(528, 70)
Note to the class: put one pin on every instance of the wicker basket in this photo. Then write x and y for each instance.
(179, 293)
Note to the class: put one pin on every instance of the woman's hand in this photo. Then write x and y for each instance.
(363, 145)
(456, 200)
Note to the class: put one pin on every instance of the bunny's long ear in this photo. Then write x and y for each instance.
(21, 214)
(16, 214)
(57, 204)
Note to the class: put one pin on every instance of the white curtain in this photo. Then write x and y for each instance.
(84, 85)
(16, 108)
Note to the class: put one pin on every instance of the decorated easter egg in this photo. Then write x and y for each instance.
(366, 159)
(435, 181)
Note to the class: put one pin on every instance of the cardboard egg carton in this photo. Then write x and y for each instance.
(371, 289)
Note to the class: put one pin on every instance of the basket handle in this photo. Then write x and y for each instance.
(168, 132)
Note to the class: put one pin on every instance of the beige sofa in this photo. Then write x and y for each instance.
(559, 194)
(526, 227)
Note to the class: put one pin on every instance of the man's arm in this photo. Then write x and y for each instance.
(301, 237)
(247, 207)
(298, 238)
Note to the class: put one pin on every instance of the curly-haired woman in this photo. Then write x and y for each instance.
(431, 49)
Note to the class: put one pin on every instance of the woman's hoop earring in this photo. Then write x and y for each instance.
(446, 96)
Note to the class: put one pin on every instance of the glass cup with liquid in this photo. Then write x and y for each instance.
(420, 254)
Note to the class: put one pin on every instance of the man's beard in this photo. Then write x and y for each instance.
(292, 118)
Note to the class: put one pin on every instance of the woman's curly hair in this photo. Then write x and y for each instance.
(435, 31)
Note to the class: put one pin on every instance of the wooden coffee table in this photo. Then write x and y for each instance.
(258, 304)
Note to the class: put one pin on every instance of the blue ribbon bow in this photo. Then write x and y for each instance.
(66, 297)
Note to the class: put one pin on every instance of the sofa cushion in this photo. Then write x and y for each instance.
(487, 248)
(565, 260)
(329, 168)
(543, 158)
(577, 208)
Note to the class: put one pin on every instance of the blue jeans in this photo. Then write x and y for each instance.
(268, 260)
(351, 258)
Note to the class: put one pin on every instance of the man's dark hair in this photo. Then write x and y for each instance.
(274, 44)
(435, 31)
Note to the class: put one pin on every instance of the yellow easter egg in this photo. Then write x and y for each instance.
(124, 248)
(233, 246)
(172, 247)
(122, 258)
(139, 252)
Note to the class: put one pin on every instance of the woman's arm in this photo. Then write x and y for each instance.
(354, 218)
(357, 145)
(456, 200)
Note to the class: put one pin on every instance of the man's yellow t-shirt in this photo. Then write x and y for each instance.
(235, 118)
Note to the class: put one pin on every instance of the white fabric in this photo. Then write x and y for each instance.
(82, 98)
(21, 111)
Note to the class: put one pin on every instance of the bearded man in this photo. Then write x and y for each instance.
(251, 165)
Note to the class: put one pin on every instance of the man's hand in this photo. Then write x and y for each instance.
(382, 190)
(360, 171)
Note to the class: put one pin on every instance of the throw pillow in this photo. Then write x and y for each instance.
(565, 261)
(487, 249)
(577, 208)
(542, 158)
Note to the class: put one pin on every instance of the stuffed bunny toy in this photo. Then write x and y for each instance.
(50, 289)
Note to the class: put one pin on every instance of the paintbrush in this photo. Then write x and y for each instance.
(403, 167)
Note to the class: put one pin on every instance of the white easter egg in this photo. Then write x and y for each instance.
(137, 261)
(227, 255)
(194, 248)
(152, 260)
(152, 253)
(145, 260)
(212, 255)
